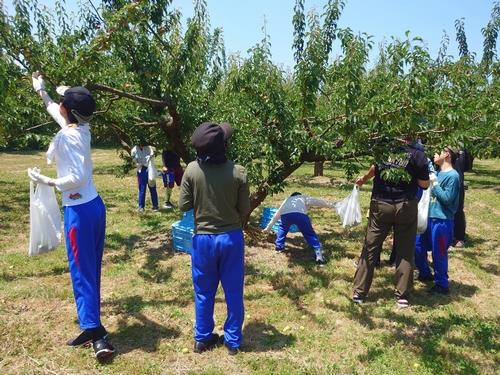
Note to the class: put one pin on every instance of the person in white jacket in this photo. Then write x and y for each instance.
(292, 211)
(143, 156)
(84, 210)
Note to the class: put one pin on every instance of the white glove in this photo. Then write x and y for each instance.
(433, 178)
(35, 176)
(38, 82)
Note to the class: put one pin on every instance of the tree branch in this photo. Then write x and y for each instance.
(141, 99)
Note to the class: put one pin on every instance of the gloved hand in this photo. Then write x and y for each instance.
(38, 82)
(433, 178)
(35, 176)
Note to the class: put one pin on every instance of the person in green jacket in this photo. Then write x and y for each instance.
(217, 190)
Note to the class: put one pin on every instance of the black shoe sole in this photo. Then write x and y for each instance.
(104, 354)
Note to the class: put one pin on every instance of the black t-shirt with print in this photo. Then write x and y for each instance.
(414, 162)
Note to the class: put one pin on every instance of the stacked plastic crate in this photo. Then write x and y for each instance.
(182, 233)
(267, 215)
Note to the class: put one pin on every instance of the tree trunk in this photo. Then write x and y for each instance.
(257, 197)
(318, 168)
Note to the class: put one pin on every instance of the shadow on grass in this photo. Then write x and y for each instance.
(127, 244)
(262, 337)
(156, 247)
(152, 270)
(54, 271)
(441, 343)
(143, 333)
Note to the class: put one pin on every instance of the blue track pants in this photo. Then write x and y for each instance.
(142, 182)
(218, 257)
(84, 229)
(303, 222)
(437, 238)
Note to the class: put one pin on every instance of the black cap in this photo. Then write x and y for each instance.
(210, 138)
(79, 101)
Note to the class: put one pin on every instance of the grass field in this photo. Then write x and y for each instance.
(299, 318)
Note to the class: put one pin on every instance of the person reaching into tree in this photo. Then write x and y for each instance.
(439, 234)
(393, 206)
(84, 210)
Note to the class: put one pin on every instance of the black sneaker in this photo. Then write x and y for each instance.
(437, 289)
(86, 337)
(279, 249)
(231, 350)
(202, 346)
(425, 279)
(103, 349)
(356, 298)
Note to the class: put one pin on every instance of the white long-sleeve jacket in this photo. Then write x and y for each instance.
(300, 204)
(142, 156)
(70, 148)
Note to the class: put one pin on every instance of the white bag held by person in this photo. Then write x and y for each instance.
(349, 209)
(45, 219)
(423, 210)
(152, 172)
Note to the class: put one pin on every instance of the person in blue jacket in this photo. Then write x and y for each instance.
(439, 234)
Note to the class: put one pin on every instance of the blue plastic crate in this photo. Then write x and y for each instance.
(182, 233)
(267, 215)
(182, 237)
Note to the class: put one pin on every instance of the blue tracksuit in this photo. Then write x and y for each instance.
(142, 181)
(218, 257)
(303, 222)
(84, 229)
(437, 238)
(439, 234)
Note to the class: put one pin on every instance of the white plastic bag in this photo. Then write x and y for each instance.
(152, 172)
(423, 210)
(349, 209)
(45, 219)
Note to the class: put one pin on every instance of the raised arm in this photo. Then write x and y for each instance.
(52, 107)
(311, 201)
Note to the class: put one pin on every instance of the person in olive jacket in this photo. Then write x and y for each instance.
(217, 189)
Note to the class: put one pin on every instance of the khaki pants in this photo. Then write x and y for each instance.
(384, 216)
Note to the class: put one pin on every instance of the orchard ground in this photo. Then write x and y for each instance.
(299, 317)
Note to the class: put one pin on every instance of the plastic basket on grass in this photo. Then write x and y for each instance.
(267, 215)
(182, 233)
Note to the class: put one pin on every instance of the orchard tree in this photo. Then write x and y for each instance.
(157, 81)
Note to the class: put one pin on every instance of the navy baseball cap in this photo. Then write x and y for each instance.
(79, 101)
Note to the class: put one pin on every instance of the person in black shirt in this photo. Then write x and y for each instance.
(393, 206)
(171, 173)
(462, 164)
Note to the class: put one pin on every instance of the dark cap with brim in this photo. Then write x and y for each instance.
(79, 101)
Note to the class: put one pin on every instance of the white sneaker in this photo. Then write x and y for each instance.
(168, 205)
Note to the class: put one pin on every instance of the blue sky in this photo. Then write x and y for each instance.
(243, 20)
